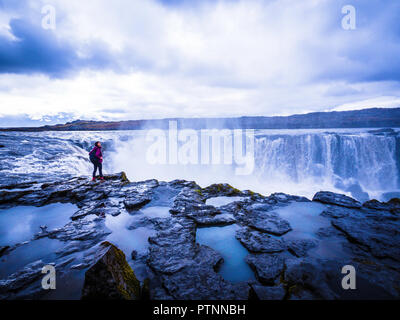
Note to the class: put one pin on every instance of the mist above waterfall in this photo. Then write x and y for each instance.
(357, 162)
(303, 162)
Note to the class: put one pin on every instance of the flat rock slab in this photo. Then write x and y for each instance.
(259, 242)
(382, 240)
(267, 267)
(300, 247)
(268, 221)
(136, 202)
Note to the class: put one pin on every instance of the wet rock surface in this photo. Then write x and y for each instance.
(267, 267)
(288, 263)
(336, 199)
(268, 292)
(256, 241)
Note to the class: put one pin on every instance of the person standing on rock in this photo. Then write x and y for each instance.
(96, 157)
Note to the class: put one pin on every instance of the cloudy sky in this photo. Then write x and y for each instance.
(141, 59)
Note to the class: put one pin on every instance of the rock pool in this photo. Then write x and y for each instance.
(20, 223)
(222, 239)
(222, 201)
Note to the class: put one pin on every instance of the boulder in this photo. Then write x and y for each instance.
(110, 277)
(336, 199)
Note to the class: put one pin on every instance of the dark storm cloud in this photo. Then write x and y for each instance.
(371, 53)
(36, 50)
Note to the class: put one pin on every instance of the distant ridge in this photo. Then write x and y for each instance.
(366, 118)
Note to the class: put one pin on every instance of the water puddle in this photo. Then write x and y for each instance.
(125, 239)
(222, 239)
(164, 196)
(222, 201)
(156, 212)
(304, 218)
(21, 223)
(69, 286)
(43, 249)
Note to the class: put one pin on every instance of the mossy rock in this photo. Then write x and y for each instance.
(221, 189)
(110, 277)
(124, 178)
(119, 176)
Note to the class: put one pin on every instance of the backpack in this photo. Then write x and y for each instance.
(92, 154)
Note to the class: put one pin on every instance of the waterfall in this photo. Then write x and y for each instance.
(357, 162)
(339, 160)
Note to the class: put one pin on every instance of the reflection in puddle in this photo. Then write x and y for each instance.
(156, 212)
(222, 201)
(125, 239)
(19, 224)
(222, 239)
(43, 249)
(69, 286)
(304, 218)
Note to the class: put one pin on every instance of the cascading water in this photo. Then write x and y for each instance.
(352, 161)
(340, 161)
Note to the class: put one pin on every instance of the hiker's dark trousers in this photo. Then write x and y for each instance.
(97, 164)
